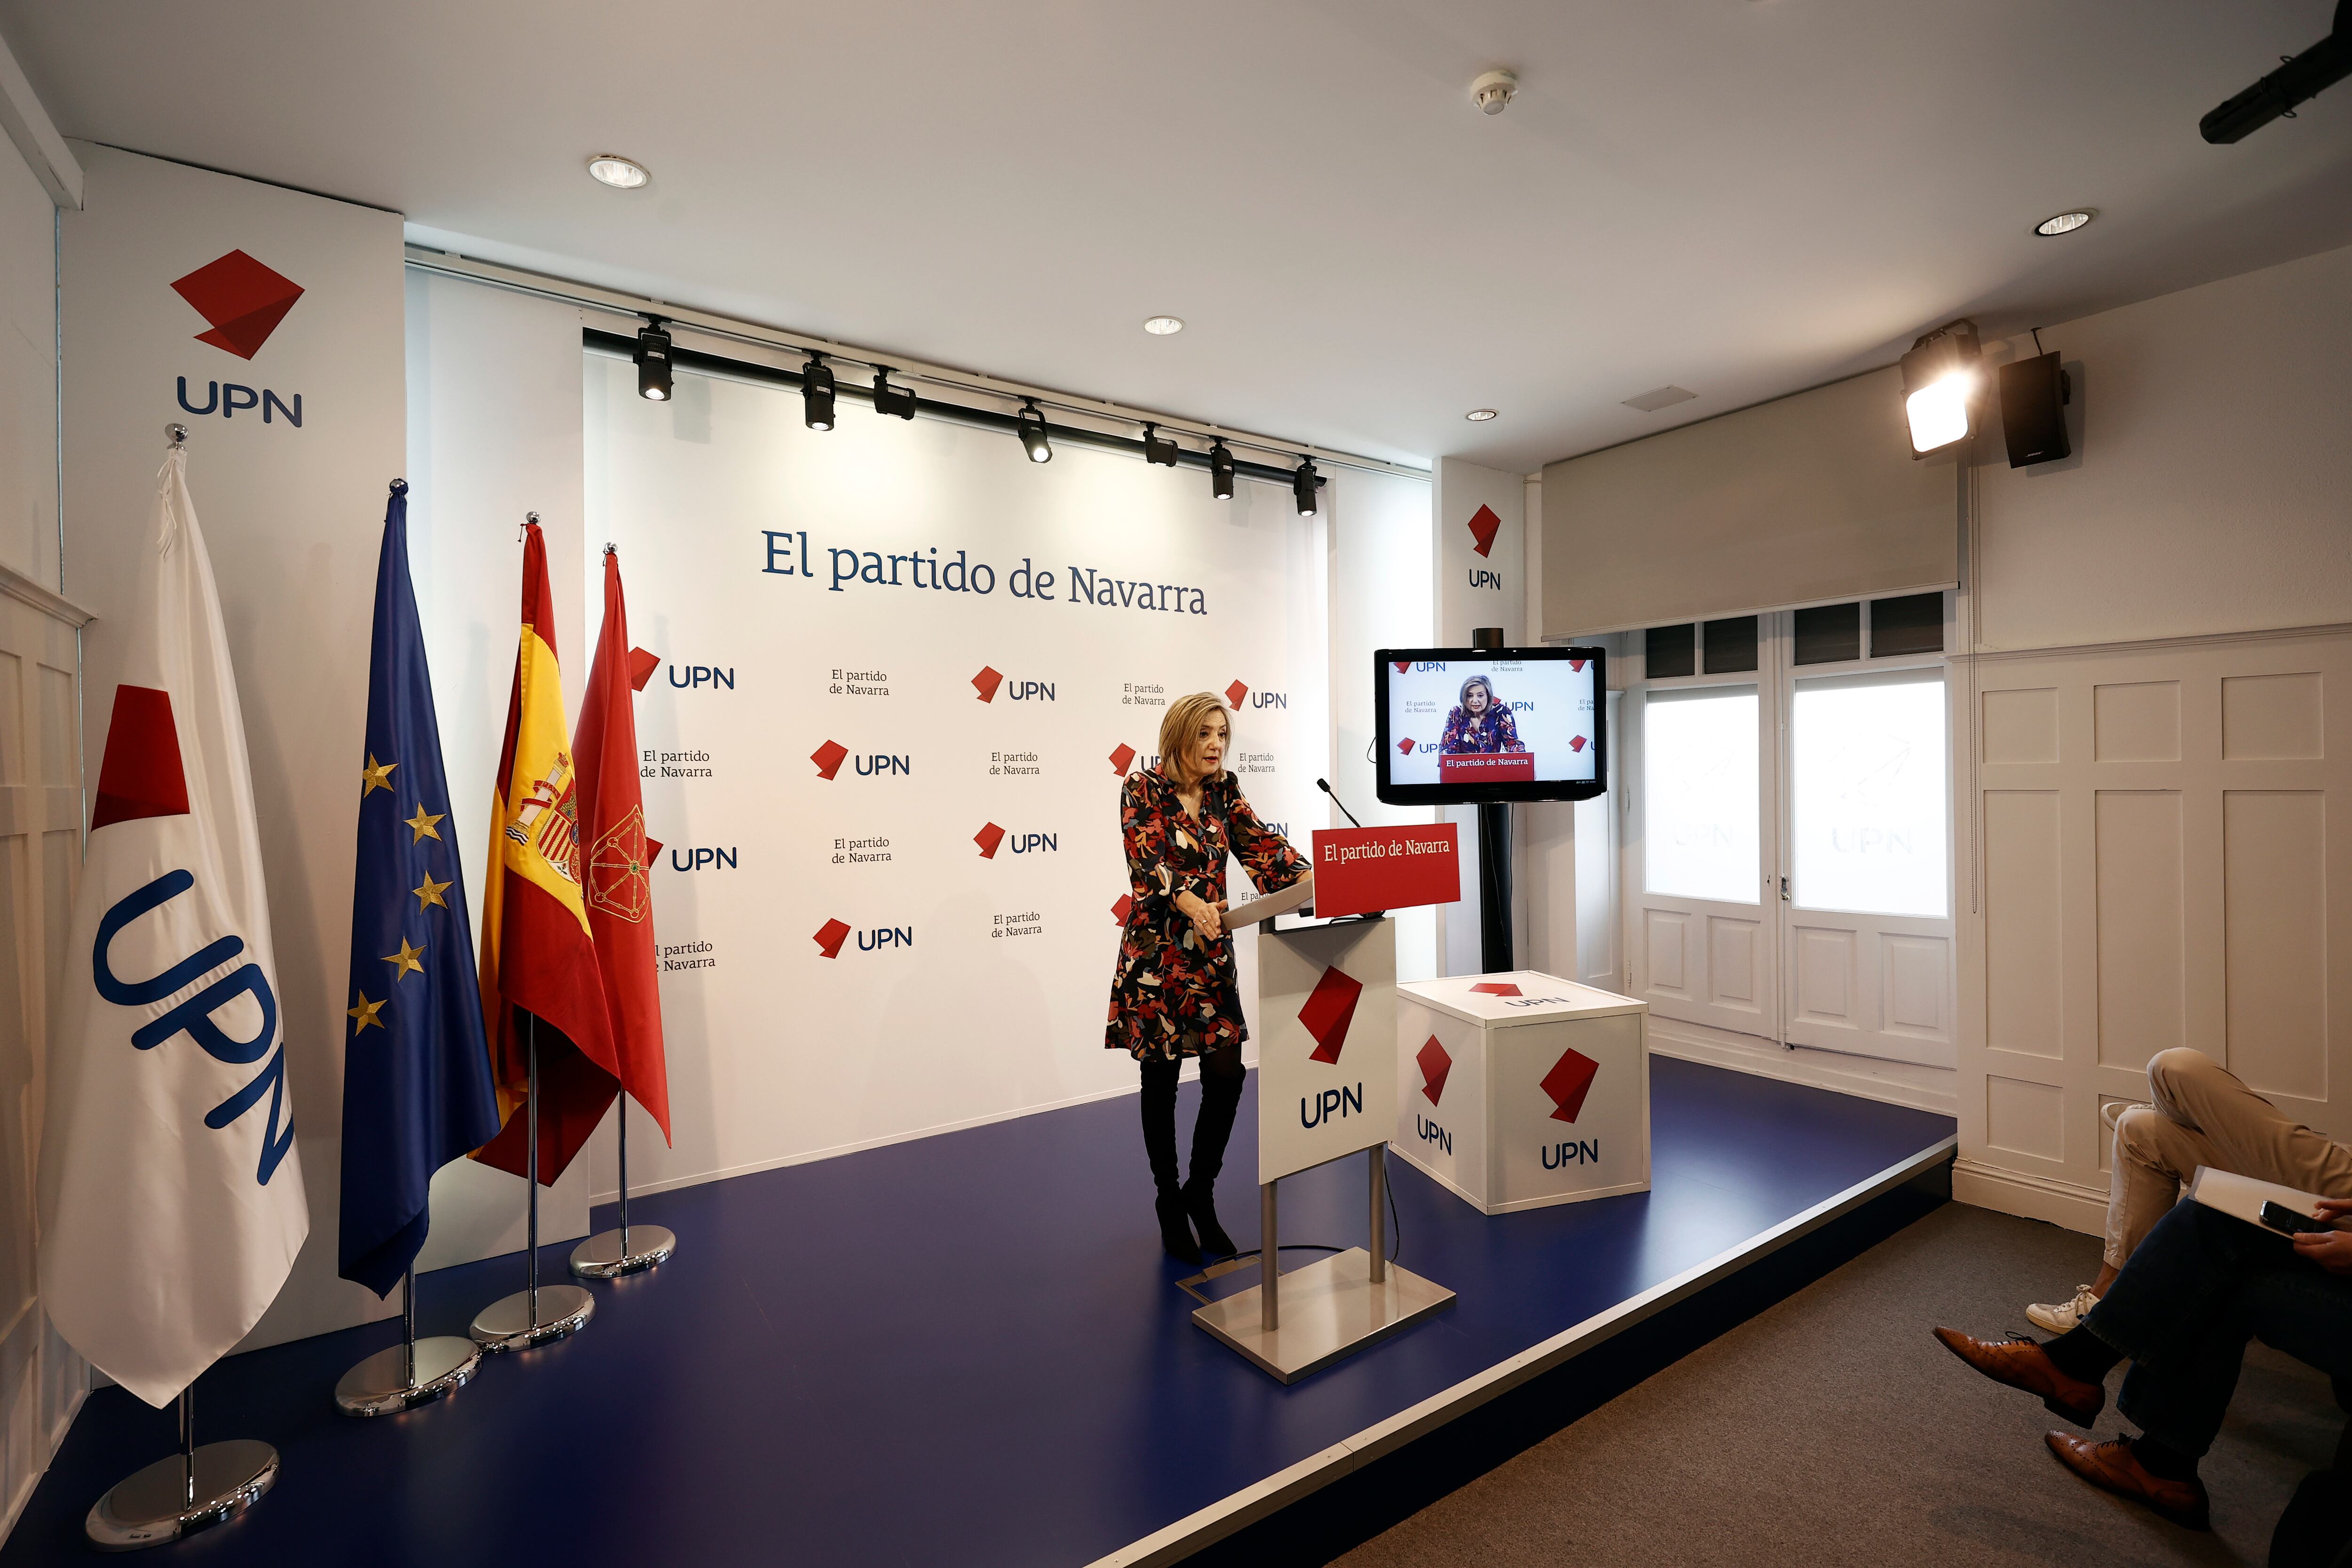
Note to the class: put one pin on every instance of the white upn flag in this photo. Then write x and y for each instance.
(171, 1195)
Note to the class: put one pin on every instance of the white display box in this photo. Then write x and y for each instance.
(1516, 1102)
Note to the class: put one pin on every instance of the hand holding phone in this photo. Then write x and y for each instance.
(2280, 1218)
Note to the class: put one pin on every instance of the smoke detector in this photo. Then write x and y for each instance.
(1494, 91)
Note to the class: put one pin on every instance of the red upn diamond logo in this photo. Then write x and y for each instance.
(1122, 757)
(829, 938)
(242, 299)
(1119, 911)
(1236, 692)
(1484, 525)
(1404, 747)
(643, 662)
(987, 681)
(1331, 1007)
(1578, 744)
(1496, 988)
(1401, 665)
(1434, 1064)
(1578, 665)
(988, 839)
(1568, 1082)
(828, 757)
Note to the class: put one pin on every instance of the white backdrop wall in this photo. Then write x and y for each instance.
(292, 507)
(887, 798)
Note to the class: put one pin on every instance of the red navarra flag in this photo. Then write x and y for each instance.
(537, 955)
(620, 858)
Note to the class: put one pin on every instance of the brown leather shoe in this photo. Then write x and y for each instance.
(2021, 1363)
(2112, 1467)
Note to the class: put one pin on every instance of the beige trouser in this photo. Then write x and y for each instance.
(2204, 1116)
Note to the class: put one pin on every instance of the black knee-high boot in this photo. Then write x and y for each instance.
(1160, 1148)
(1220, 1098)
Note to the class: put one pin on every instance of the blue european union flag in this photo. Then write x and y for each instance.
(416, 1067)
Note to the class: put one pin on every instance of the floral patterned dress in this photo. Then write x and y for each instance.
(1493, 731)
(1174, 995)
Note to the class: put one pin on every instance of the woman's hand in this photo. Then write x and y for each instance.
(1204, 916)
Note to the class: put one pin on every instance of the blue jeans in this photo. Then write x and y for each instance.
(2194, 1292)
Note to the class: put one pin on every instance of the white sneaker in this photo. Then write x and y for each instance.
(2112, 1111)
(2059, 1317)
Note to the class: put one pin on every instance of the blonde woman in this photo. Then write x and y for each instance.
(1173, 995)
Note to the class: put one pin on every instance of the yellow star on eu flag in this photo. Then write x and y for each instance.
(406, 959)
(421, 823)
(365, 1015)
(375, 776)
(430, 894)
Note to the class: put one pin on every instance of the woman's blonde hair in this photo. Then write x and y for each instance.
(1182, 722)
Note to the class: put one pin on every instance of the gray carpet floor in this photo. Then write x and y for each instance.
(1831, 1429)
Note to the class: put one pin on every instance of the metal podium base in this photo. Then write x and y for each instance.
(506, 1324)
(152, 1507)
(1331, 1310)
(380, 1386)
(600, 1257)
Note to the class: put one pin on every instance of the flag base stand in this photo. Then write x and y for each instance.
(536, 1315)
(383, 1385)
(606, 1255)
(633, 1249)
(193, 1489)
(510, 1324)
(412, 1373)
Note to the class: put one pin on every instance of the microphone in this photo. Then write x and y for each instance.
(1325, 786)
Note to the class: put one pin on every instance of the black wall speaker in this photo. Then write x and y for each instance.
(2033, 397)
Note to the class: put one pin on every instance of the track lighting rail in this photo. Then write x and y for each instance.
(623, 345)
(930, 379)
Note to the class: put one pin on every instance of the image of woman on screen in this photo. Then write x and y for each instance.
(1174, 993)
(1479, 723)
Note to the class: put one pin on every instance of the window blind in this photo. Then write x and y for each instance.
(1805, 498)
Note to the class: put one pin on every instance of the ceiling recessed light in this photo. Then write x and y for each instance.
(2064, 223)
(1163, 326)
(612, 169)
(1479, 415)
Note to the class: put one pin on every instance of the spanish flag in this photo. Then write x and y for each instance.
(538, 956)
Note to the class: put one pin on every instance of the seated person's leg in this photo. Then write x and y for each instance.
(2153, 1154)
(2248, 1134)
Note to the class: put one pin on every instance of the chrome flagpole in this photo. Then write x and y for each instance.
(412, 1373)
(193, 1489)
(533, 1315)
(611, 1254)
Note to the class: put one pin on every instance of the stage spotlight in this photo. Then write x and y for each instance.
(1157, 449)
(652, 361)
(1939, 382)
(1302, 487)
(1221, 471)
(817, 394)
(896, 402)
(1032, 433)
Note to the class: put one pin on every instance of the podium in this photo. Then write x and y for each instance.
(1327, 1090)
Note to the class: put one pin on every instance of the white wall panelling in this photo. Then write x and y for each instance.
(2157, 870)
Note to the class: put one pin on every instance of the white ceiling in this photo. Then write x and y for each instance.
(1743, 197)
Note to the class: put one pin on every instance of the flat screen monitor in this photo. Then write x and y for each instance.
(1460, 725)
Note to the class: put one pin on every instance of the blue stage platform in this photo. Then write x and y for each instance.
(967, 1350)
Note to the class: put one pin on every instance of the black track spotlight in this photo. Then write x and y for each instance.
(1032, 433)
(652, 361)
(1302, 487)
(1221, 471)
(1157, 449)
(817, 394)
(892, 402)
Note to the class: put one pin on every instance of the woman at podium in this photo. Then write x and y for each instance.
(1174, 993)
(1479, 723)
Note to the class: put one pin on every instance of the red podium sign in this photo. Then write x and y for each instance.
(1360, 870)
(1487, 767)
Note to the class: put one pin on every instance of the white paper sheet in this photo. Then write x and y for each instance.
(2244, 1197)
(1273, 904)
